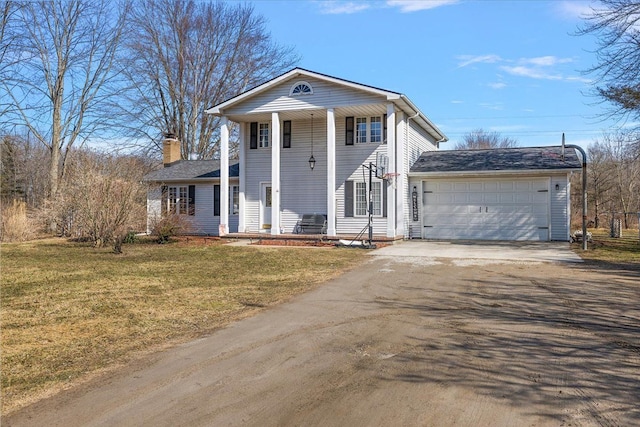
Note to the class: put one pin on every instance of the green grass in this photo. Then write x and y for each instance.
(69, 310)
(623, 252)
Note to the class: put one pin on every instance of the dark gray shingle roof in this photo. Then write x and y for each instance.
(515, 159)
(192, 170)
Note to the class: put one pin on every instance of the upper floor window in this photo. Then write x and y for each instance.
(369, 129)
(301, 88)
(361, 129)
(263, 135)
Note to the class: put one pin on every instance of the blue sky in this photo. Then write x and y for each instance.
(515, 67)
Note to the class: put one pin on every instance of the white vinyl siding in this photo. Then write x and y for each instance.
(560, 208)
(302, 190)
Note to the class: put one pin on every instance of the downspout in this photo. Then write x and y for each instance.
(584, 191)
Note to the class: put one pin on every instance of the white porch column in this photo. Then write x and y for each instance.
(391, 153)
(242, 228)
(331, 173)
(224, 176)
(275, 173)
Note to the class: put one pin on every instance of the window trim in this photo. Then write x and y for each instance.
(353, 187)
(262, 143)
(354, 135)
(180, 199)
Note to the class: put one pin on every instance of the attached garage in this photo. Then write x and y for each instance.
(501, 194)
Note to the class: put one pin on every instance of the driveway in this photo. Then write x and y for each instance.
(466, 251)
(405, 339)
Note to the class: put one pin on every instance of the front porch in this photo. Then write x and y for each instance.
(289, 239)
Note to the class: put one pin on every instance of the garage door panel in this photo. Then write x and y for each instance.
(499, 209)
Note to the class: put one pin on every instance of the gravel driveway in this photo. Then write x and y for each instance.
(401, 340)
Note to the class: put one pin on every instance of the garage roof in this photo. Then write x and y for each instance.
(191, 170)
(498, 159)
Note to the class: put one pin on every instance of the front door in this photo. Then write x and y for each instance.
(265, 206)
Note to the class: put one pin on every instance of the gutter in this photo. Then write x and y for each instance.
(441, 137)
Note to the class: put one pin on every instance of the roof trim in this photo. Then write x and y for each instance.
(510, 172)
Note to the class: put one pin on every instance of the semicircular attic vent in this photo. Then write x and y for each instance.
(301, 88)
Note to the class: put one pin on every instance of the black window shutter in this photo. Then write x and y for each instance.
(384, 129)
(286, 134)
(164, 199)
(348, 133)
(216, 200)
(348, 199)
(253, 136)
(192, 200)
(385, 184)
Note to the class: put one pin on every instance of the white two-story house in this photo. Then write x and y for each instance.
(306, 143)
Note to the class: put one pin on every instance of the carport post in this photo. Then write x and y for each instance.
(584, 191)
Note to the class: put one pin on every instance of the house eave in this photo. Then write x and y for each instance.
(500, 173)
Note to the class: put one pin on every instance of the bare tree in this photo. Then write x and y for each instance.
(616, 23)
(59, 73)
(600, 181)
(184, 56)
(480, 139)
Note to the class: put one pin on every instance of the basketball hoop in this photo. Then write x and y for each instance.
(391, 177)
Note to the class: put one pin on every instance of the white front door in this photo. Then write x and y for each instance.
(265, 206)
(486, 209)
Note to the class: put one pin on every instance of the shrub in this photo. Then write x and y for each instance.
(169, 226)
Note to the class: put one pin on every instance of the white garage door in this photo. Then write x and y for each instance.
(486, 209)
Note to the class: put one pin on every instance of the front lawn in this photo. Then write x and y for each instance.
(623, 251)
(69, 310)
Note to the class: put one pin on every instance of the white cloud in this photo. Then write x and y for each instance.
(497, 85)
(335, 7)
(417, 5)
(490, 106)
(466, 60)
(531, 72)
(546, 61)
(457, 101)
(572, 9)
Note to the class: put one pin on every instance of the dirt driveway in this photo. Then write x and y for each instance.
(401, 340)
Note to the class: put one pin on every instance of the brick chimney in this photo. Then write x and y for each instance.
(170, 150)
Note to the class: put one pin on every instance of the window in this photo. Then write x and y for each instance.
(376, 129)
(234, 200)
(301, 88)
(181, 200)
(356, 198)
(370, 129)
(263, 135)
(361, 129)
(361, 199)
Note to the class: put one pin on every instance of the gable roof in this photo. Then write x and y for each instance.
(402, 101)
(191, 170)
(501, 159)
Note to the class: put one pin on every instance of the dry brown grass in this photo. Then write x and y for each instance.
(623, 252)
(16, 225)
(69, 310)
